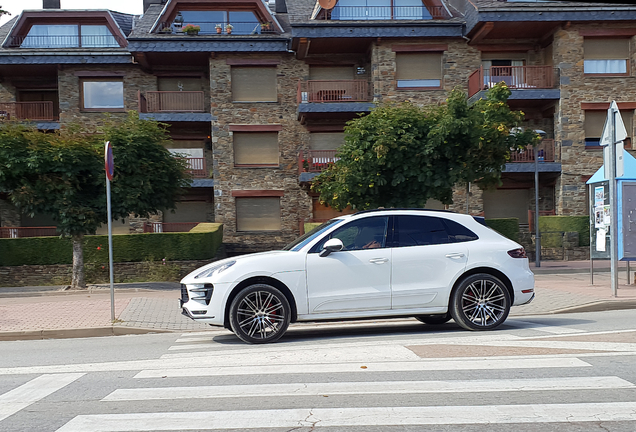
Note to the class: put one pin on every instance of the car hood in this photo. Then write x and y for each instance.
(256, 264)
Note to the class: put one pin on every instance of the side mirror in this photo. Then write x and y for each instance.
(332, 245)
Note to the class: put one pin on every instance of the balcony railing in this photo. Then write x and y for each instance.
(172, 101)
(333, 91)
(167, 227)
(515, 77)
(367, 13)
(197, 167)
(315, 161)
(20, 232)
(26, 111)
(65, 41)
(209, 28)
(545, 152)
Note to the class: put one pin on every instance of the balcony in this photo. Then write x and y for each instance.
(209, 28)
(315, 161)
(172, 101)
(545, 152)
(27, 111)
(367, 13)
(333, 91)
(21, 232)
(515, 77)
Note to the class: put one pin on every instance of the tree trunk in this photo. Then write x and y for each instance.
(77, 282)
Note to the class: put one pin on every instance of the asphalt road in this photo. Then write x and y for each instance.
(571, 372)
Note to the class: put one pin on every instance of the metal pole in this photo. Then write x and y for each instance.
(628, 281)
(537, 235)
(110, 252)
(591, 271)
(613, 206)
(467, 194)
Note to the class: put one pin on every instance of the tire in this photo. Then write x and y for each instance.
(434, 319)
(480, 302)
(260, 314)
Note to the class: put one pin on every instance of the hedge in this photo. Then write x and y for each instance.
(311, 225)
(201, 243)
(551, 228)
(508, 227)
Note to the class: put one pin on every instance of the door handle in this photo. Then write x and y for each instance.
(455, 255)
(378, 260)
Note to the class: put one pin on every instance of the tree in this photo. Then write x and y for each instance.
(403, 155)
(62, 174)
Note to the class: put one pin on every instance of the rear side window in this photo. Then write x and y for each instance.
(427, 230)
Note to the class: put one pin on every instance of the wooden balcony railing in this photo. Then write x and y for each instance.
(20, 232)
(197, 167)
(333, 91)
(26, 110)
(515, 77)
(546, 152)
(172, 101)
(315, 161)
(166, 227)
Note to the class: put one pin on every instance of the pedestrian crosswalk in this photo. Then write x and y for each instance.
(200, 384)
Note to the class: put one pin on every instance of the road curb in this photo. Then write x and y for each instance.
(79, 333)
(599, 306)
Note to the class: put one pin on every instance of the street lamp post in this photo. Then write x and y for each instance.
(537, 235)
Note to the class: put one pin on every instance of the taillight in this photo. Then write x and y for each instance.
(518, 253)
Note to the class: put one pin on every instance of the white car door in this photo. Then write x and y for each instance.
(427, 259)
(358, 278)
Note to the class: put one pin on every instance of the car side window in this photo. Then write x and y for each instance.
(428, 230)
(367, 233)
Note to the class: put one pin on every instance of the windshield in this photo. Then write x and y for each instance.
(301, 241)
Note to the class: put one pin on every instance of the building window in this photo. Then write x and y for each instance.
(595, 121)
(379, 10)
(419, 70)
(254, 84)
(606, 56)
(102, 94)
(256, 148)
(69, 36)
(258, 214)
(243, 22)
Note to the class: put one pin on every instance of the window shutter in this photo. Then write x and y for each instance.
(258, 214)
(606, 49)
(326, 140)
(254, 84)
(256, 148)
(418, 66)
(594, 122)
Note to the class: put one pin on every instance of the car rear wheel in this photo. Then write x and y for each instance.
(260, 314)
(434, 319)
(480, 302)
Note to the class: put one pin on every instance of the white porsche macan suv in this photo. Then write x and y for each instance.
(427, 264)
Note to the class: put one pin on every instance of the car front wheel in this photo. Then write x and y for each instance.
(259, 314)
(480, 302)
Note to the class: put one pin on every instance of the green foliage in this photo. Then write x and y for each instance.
(403, 155)
(508, 227)
(126, 248)
(311, 225)
(551, 228)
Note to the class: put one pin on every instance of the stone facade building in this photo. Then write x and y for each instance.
(259, 107)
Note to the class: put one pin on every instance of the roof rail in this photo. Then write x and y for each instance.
(402, 209)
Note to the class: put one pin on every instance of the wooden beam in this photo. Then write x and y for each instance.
(608, 32)
(505, 48)
(258, 193)
(303, 48)
(482, 32)
(606, 105)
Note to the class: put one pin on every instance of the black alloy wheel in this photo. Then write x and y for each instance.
(480, 302)
(260, 314)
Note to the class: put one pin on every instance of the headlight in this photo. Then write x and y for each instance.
(215, 269)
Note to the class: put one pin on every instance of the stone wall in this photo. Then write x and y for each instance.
(576, 88)
(39, 275)
(295, 203)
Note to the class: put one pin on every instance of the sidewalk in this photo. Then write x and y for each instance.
(50, 312)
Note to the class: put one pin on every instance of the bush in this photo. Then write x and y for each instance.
(508, 227)
(194, 245)
(551, 228)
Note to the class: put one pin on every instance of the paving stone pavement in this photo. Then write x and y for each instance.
(49, 312)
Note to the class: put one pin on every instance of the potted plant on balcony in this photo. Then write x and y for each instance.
(191, 29)
(219, 28)
(266, 27)
(228, 28)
